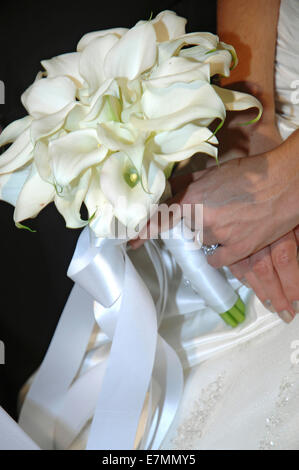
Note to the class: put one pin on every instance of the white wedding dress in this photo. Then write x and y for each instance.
(241, 385)
(247, 396)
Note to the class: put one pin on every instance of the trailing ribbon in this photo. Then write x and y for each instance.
(12, 436)
(109, 290)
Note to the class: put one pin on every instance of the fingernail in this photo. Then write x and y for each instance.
(296, 306)
(269, 306)
(285, 316)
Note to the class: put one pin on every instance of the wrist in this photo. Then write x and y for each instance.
(236, 140)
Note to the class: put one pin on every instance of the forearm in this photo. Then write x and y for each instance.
(251, 27)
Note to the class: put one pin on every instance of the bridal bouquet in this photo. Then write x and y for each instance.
(105, 126)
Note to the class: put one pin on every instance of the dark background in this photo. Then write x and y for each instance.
(33, 283)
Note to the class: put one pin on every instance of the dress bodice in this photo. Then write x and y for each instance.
(287, 68)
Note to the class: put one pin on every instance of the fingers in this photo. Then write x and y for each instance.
(242, 270)
(267, 278)
(273, 274)
(259, 273)
(284, 257)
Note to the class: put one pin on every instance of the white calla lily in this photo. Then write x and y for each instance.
(133, 54)
(168, 25)
(93, 59)
(177, 97)
(87, 38)
(219, 59)
(48, 95)
(238, 101)
(14, 130)
(33, 197)
(106, 123)
(42, 161)
(178, 69)
(131, 204)
(220, 63)
(10, 184)
(86, 114)
(50, 124)
(171, 107)
(207, 40)
(69, 201)
(64, 64)
(18, 154)
(73, 153)
(168, 49)
(124, 137)
(180, 144)
(100, 210)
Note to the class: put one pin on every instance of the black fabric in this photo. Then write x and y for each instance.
(34, 286)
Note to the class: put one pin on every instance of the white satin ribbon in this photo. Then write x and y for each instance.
(129, 368)
(126, 313)
(12, 437)
(206, 280)
(58, 369)
(169, 375)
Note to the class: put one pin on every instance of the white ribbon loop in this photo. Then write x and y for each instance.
(98, 267)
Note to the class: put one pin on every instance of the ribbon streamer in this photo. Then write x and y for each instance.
(58, 369)
(107, 289)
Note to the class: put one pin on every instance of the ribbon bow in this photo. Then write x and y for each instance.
(107, 290)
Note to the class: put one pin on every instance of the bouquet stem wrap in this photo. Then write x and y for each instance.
(207, 281)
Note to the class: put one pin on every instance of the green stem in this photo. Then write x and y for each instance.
(229, 319)
(235, 315)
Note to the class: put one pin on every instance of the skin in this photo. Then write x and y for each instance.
(273, 271)
(251, 204)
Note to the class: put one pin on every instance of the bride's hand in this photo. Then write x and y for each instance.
(248, 203)
(273, 274)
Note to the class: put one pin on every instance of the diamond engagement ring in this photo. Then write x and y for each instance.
(209, 250)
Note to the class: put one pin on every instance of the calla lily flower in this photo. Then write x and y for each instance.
(105, 123)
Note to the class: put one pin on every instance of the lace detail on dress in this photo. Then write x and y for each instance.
(287, 394)
(193, 427)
